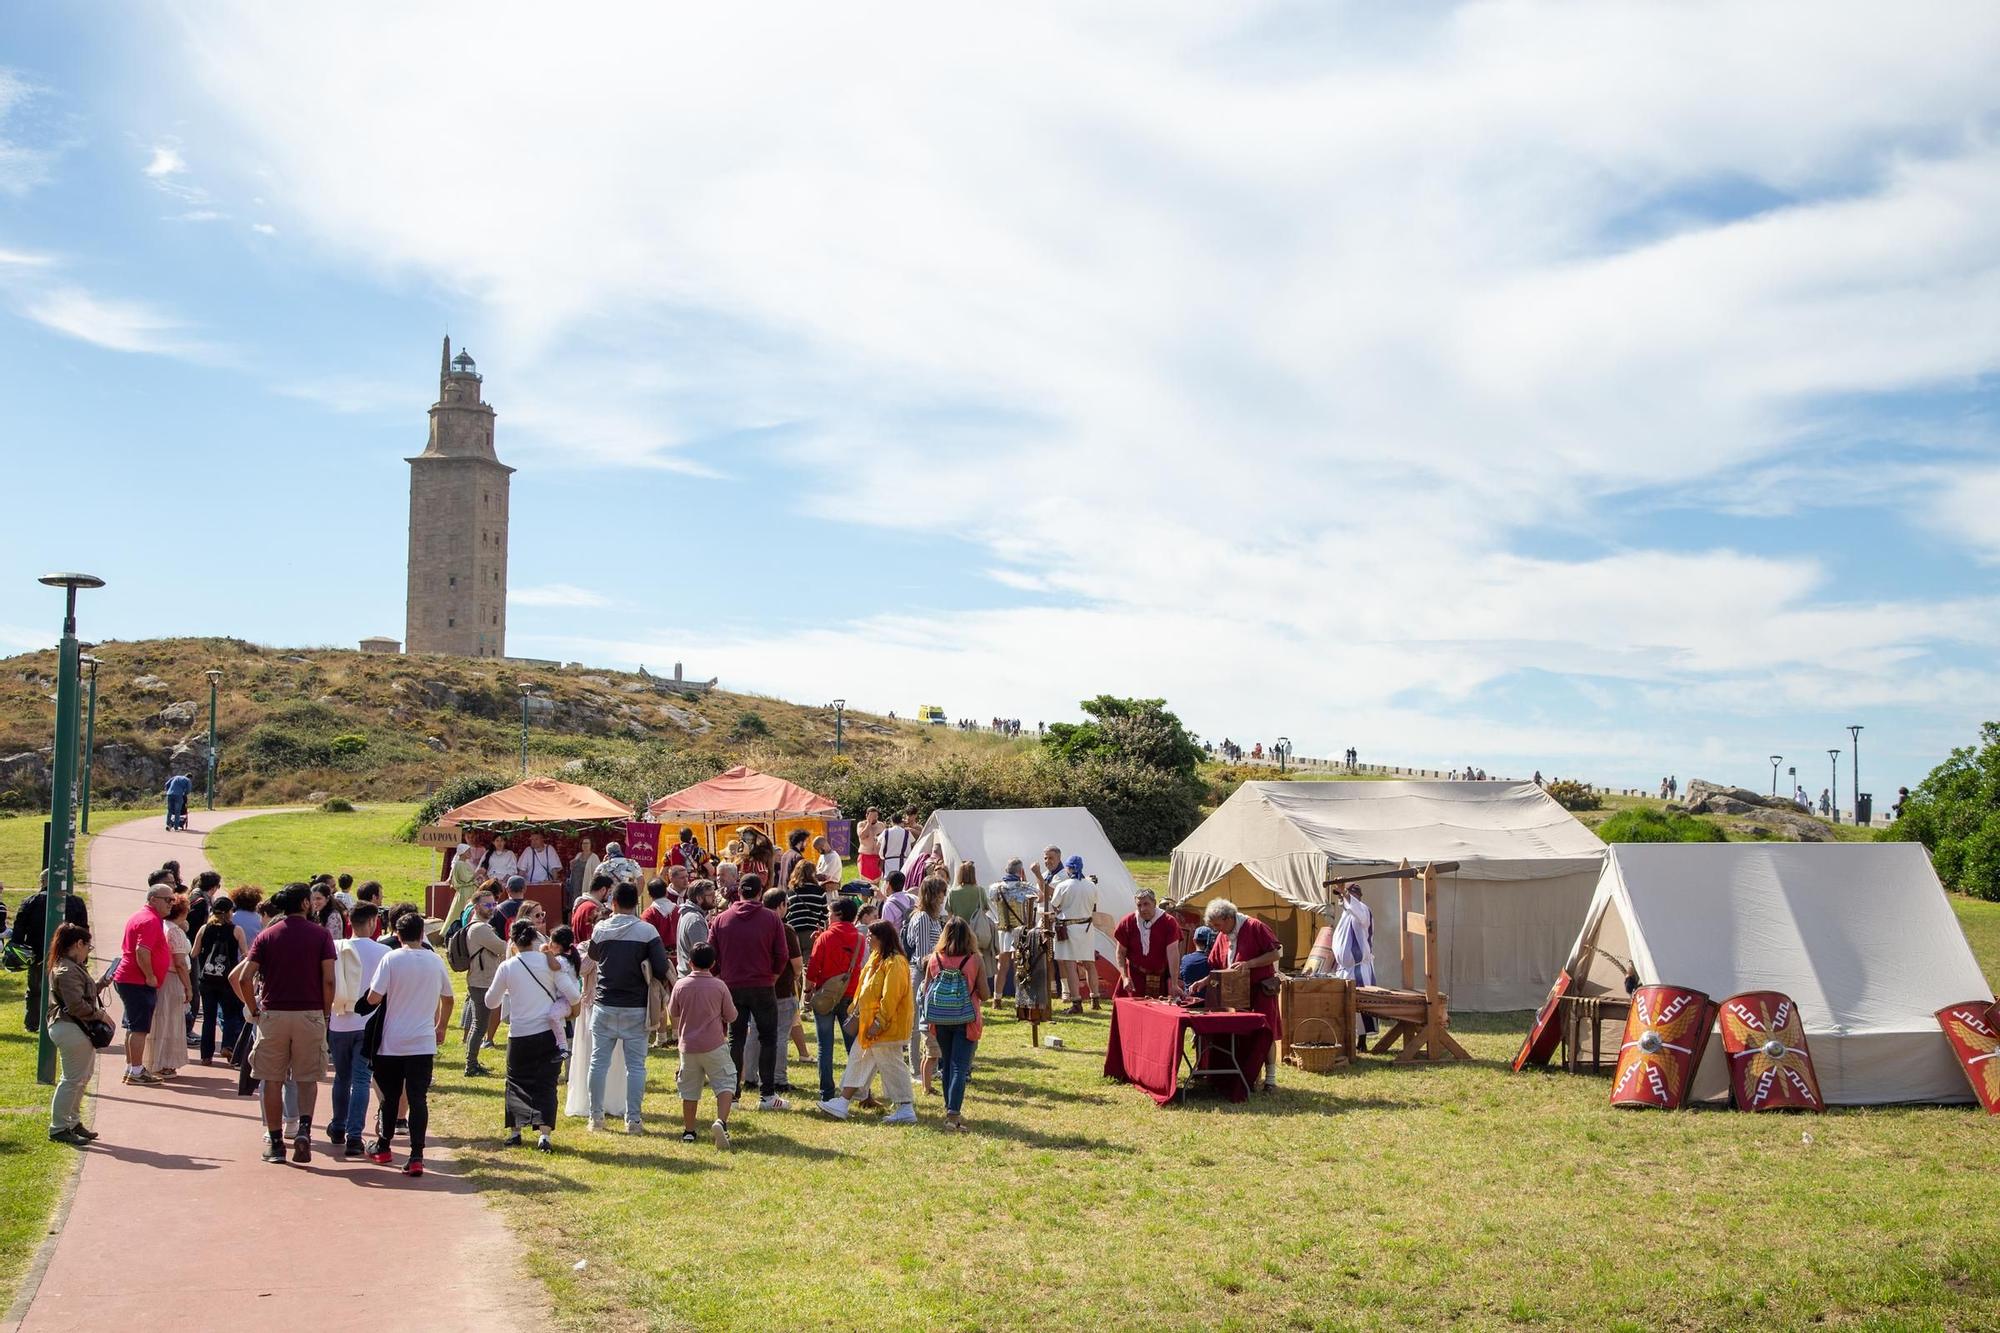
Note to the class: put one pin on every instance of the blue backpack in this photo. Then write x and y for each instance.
(948, 1000)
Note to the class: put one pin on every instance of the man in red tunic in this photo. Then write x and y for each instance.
(1149, 950)
(1245, 944)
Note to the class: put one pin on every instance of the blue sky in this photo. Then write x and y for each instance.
(1604, 391)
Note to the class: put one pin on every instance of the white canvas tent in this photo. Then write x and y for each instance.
(1526, 869)
(992, 838)
(1860, 935)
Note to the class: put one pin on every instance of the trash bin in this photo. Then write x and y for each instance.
(1864, 808)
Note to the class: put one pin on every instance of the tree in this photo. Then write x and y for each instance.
(1139, 730)
(1955, 813)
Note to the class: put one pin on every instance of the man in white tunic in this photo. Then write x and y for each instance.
(1073, 900)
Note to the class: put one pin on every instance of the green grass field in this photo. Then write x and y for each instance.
(32, 1169)
(272, 850)
(1378, 1197)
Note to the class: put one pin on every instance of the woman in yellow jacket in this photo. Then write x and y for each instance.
(883, 1011)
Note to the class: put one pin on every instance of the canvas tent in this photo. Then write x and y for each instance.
(1860, 935)
(539, 801)
(715, 809)
(1526, 870)
(991, 838)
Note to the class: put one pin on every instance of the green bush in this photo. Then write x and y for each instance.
(454, 793)
(337, 805)
(1579, 796)
(1642, 825)
(347, 743)
(1955, 813)
(749, 726)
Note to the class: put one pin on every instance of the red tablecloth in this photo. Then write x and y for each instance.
(1146, 1038)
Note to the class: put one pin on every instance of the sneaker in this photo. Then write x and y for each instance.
(597, 1124)
(635, 1128)
(78, 1132)
(513, 1139)
(142, 1078)
(414, 1167)
(542, 1144)
(478, 1071)
(302, 1148)
(379, 1154)
(720, 1132)
(274, 1150)
(353, 1148)
(335, 1137)
(69, 1136)
(689, 1136)
(906, 1114)
(774, 1103)
(290, 1131)
(835, 1107)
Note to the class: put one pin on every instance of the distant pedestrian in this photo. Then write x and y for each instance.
(413, 986)
(294, 958)
(217, 950)
(691, 923)
(30, 927)
(884, 1013)
(833, 974)
(142, 965)
(630, 959)
(751, 954)
(951, 980)
(178, 788)
(166, 1044)
(73, 1001)
(702, 1013)
(484, 952)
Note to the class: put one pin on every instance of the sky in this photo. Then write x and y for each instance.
(1602, 389)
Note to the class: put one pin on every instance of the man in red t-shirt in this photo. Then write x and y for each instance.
(293, 957)
(583, 917)
(142, 964)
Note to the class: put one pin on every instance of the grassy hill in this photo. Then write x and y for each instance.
(294, 722)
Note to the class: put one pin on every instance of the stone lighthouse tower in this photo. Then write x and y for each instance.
(458, 524)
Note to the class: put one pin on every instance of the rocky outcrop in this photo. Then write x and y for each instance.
(149, 685)
(119, 766)
(26, 771)
(189, 758)
(1784, 826)
(1709, 798)
(174, 717)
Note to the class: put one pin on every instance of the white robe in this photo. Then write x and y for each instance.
(576, 1100)
(1074, 902)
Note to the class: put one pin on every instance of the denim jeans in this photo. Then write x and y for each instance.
(955, 1061)
(474, 1024)
(351, 1073)
(828, 1024)
(757, 1004)
(79, 1057)
(609, 1025)
(753, 1044)
(219, 1003)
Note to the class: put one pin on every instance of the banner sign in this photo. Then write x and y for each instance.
(438, 835)
(642, 843)
(840, 836)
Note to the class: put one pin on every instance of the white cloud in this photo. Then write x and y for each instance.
(263, 229)
(166, 161)
(557, 594)
(23, 259)
(27, 150)
(121, 326)
(1967, 506)
(197, 215)
(1261, 356)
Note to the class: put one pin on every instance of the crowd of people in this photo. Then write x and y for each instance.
(726, 962)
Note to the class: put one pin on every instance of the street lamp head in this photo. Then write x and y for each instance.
(527, 687)
(72, 581)
(214, 675)
(1777, 759)
(88, 663)
(839, 705)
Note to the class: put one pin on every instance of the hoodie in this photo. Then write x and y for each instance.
(622, 947)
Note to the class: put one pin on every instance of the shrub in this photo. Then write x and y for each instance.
(1642, 825)
(454, 793)
(347, 743)
(1571, 795)
(337, 805)
(749, 726)
(1955, 814)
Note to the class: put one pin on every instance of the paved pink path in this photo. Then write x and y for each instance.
(176, 1174)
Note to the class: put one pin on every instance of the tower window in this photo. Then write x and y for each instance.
(453, 580)
(450, 622)
(496, 617)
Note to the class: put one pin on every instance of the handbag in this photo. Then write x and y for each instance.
(826, 996)
(100, 1032)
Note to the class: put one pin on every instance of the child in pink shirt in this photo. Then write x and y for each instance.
(701, 1011)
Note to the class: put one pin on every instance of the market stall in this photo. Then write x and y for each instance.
(715, 809)
(563, 813)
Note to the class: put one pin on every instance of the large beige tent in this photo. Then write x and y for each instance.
(1527, 869)
(1860, 935)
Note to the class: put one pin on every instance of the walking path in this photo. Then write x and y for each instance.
(176, 1221)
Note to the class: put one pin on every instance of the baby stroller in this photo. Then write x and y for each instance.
(178, 789)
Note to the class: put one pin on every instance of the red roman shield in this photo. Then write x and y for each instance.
(1543, 1036)
(1973, 1029)
(1665, 1034)
(1770, 1068)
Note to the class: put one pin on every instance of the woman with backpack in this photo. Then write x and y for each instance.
(883, 1015)
(922, 929)
(951, 986)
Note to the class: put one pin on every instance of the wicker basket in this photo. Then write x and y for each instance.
(1318, 1057)
(1229, 990)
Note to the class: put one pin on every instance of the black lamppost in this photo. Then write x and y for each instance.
(839, 707)
(1776, 759)
(214, 675)
(89, 736)
(1834, 791)
(62, 791)
(1854, 771)
(526, 693)
(1284, 745)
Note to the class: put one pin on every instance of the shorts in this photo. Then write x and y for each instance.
(714, 1067)
(291, 1045)
(138, 1000)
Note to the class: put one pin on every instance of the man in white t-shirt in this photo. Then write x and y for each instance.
(413, 986)
(826, 866)
(354, 963)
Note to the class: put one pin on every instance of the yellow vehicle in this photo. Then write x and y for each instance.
(930, 713)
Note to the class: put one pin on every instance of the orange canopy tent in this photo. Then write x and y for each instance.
(717, 807)
(540, 801)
